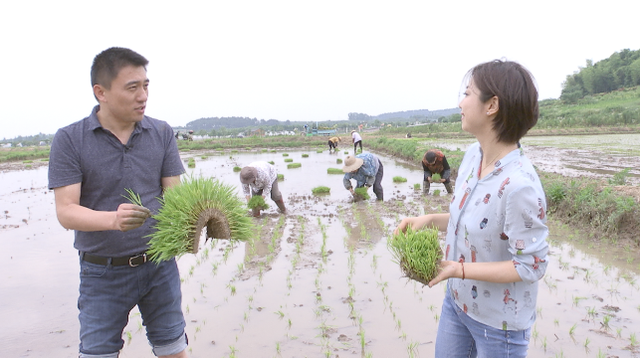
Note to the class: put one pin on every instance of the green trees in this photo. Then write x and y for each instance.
(620, 70)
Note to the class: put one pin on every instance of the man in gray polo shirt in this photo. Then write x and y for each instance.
(91, 164)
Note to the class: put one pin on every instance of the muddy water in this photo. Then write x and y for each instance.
(593, 156)
(317, 282)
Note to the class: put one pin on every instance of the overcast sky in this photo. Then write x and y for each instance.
(291, 60)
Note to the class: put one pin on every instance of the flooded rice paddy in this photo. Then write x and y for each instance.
(316, 282)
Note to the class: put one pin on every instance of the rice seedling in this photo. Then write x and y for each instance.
(418, 253)
(288, 160)
(237, 169)
(338, 161)
(399, 179)
(605, 322)
(188, 208)
(633, 340)
(305, 155)
(361, 194)
(285, 154)
(436, 192)
(204, 157)
(191, 163)
(319, 151)
(346, 152)
(334, 171)
(257, 202)
(417, 186)
(321, 190)
(280, 177)
(572, 330)
(586, 342)
(271, 162)
(294, 165)
(435, 177)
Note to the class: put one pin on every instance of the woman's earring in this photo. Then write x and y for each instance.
(488, 114)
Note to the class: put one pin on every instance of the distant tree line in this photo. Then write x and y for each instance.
(620, 70)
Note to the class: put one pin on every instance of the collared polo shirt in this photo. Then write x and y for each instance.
(85, 152)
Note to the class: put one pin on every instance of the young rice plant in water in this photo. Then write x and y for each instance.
(321, 190)
(362, 193)
(257, 202)
(418, 253)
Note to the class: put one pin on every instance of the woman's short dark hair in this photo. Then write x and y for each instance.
(517, 97)
(108, 63)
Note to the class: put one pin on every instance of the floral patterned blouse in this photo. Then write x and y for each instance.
(500, 217)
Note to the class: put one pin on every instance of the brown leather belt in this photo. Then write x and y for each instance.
(133, 261)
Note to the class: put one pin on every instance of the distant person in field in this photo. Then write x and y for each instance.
(434, 162)
(357, 140)
(261, 178)
(367, 171)
(333, 143)
(92, 162)
(496, 250)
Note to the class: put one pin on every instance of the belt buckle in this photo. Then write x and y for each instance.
(132, 258)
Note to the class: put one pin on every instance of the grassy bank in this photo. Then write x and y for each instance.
(23, 153)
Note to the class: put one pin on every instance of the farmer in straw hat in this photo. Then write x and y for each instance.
(434, 162)
(333, 143)
(366, 169)
(261, 178)
(92, 162)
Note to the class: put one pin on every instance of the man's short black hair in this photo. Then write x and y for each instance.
(108, 63)
(430, 157)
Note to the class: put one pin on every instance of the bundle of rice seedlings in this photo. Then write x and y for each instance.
(338, 161)
(305, 155)
(361, 193)
(436, 192)
(319, 151)
(398, 179)
(191, 163)
(321, 190)
(288, 160)
(237, 169)
(294, 165)
(345, 152)
(436, 177)
(334, 171)
(285, 154)
(257, 202)
(418, 253)
(416, 186)
(280, 177)
(188, 208)
(271, 162)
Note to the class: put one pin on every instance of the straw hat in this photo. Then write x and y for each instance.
(351, 163)
(248, 175)
(353, 131)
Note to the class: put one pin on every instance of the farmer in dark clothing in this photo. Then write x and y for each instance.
(434, 162)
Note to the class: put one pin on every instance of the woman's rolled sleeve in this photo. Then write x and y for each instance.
(527, 232)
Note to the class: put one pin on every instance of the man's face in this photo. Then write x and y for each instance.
(126, 100)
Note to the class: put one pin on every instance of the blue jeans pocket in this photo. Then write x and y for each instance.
(89, 270)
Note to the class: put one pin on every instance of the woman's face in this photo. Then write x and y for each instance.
(474, 113)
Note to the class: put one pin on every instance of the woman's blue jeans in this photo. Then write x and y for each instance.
(461, 336)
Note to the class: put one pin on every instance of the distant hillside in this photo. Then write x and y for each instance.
(417, 113)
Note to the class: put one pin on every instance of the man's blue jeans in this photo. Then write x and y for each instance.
(107, 295)
(461, 336)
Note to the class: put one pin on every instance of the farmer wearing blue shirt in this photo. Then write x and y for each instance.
(367, 170)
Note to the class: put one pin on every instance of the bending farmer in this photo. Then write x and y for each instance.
(261, 178)
(434, 162)
(356, 139)
(333, 143)
(367, 170)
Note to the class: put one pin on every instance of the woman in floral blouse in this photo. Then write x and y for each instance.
(495, 249)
